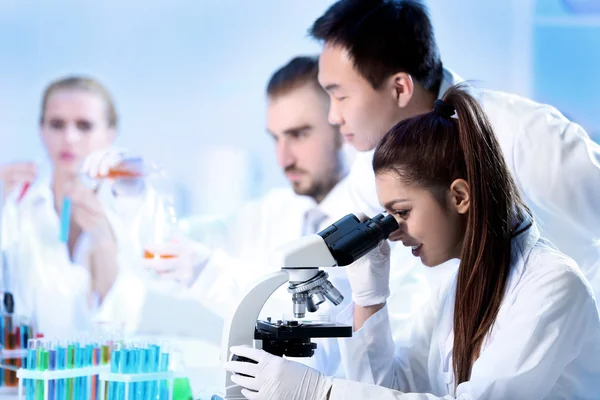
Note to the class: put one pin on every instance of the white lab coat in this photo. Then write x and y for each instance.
(49, 288)
(545, 343)
(554, 163)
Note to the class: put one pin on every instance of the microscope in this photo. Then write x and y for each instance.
(340, 245)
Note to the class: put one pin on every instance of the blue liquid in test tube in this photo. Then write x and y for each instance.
(114, 368)
(153, 359)
(61, 363)
(52, 366)
(31, 357)
(163, 367)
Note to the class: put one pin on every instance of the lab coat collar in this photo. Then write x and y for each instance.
(330, 205)
(521, 247)
(449, 79)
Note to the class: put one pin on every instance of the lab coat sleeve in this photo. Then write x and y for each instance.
(227, 273)
(557, 166)
(349, 390)
(550, 322)
(371, 355)
(564, 175)
(218, 286)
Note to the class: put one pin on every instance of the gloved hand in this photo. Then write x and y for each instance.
(369, 277)
(277, 378)
(182, 260)
(99, 164)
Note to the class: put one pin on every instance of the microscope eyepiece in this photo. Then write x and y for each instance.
(349, 239)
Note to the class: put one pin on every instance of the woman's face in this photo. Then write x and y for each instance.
(75, 123)
(433, 226)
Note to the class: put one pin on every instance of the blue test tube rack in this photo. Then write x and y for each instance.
(128, 381)
(53, 375)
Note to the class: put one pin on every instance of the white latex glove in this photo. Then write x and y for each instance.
(99, 163)
(276, 378)
(369, 277)
(185, 261)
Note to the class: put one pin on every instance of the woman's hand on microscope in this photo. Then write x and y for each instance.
(369, 277)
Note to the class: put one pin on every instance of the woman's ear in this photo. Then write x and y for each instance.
(460, 195)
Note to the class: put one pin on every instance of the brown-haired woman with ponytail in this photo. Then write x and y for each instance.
(517, 321)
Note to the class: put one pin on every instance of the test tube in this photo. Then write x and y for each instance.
(144, 368)
(132, 364)
(18, 344)
(140, 357)
(52, 364)
(31, 359)
(163, 367)
(94, 361)
(65, 219)
(70, 365)
(123, 368)
(105, 353)
(114, 368)
(78, 355)
(88, 362)
(61, 363)
(153, 360)
(24, 335)
(42, 365)
(10, 341)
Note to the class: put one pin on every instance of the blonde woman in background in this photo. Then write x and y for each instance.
(62, 284)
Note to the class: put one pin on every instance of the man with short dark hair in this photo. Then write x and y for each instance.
(307, 146)
(380, 64)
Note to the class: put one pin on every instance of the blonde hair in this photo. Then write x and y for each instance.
(85, 84)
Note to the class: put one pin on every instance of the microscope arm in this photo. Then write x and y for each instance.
(239, 329)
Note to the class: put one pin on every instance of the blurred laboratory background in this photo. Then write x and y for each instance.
(189, 76)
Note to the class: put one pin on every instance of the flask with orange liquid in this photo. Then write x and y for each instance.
(161, 247)
(129, 168)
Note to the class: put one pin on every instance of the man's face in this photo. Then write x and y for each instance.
(362, 113)
(307, 146)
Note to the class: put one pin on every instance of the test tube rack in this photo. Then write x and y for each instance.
(10, 355)
(168, 376)
(52, 375)
(104, 377)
